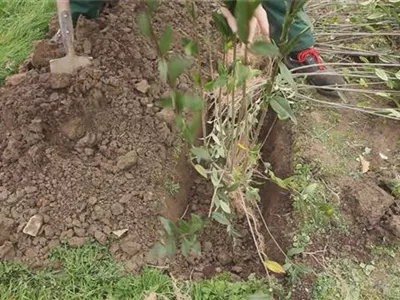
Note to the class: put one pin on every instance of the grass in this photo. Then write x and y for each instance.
(346, 279)
(90, 272)
(171, 186)
(21, 23)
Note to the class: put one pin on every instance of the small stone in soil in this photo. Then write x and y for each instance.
(76, 242)
(92, 200)
(129, 246)
(127, 161)
(3, 194)
(7, 251)
(100, 237)
(34, 225)
(125, 198)
(117, 209)
(142, 86)
(197, 276)
(237, 269)
(224, 259)
(60, 81)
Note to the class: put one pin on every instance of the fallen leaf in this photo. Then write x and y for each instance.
(120, 232)
(383, 156)
(274, 267)
(364, 164)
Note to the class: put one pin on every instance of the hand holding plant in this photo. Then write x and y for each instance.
(258, 21)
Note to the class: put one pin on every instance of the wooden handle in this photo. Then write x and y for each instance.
(66, 26)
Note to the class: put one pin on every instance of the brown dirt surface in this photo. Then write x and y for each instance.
(88, 153)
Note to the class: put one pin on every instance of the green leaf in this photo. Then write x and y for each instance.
(197, 248)
(233, 187)
(191, 47)
(225, 207)
(197, 223)
(242, 74)
(145, 25)
(166, 41)
(170, 247)
(310, 189)
(201, 170)
(282, 107)
(167, 225)
(287, 75)
(244, 11)
(166, 102)
(185, 247)
(327, 209)
(193, 102)
(217, 83)
(222, 25)
(152, 5)
(176, 66)
(263, 48)
(179, 102)
(398, 73)
(190, 132)
(381, 74)
(183, 227)
(201, 153)
(220, 218)
(163, 69)
(158, 251)
(295, 251)
(196, 77)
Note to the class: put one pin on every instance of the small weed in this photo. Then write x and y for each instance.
(316, 210)
(221, 287)
(184, 232)
(171, 186)
(394, 186)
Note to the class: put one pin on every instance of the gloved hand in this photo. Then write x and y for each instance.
(259, 20)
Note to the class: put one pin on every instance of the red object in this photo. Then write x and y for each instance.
(302, 56)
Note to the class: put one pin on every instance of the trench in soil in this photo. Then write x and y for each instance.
(220, 253)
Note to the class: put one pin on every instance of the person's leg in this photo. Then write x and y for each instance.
(88, 8)
(276, 10)
(303, 53)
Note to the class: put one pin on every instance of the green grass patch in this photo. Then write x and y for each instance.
(21, 23)
(313, 206)
(346, 279)
(90, 272)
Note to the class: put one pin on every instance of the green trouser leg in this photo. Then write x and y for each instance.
(276, 10)
(88, 8)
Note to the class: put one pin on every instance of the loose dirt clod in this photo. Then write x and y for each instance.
(129, 246)
(16, 79)
(368, 201)
(33, 226)
(142, 86)
(7, 251)
(127, 161)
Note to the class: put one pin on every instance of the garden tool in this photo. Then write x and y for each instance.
(70, 62)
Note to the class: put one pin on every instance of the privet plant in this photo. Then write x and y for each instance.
(230, 153)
